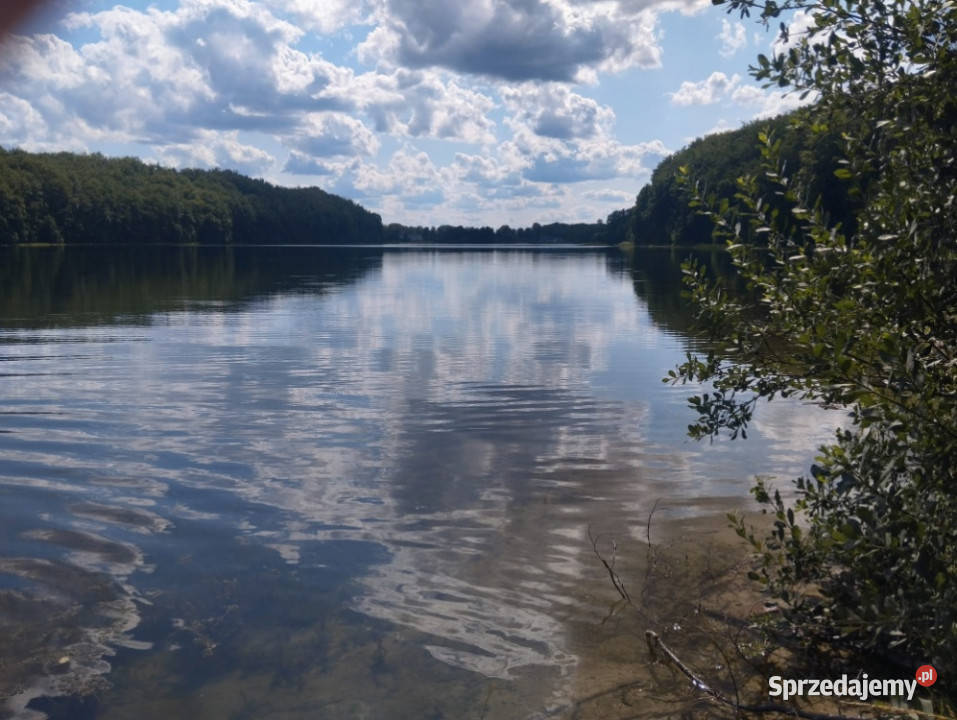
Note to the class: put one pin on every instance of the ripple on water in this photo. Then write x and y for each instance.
(58, 632)
(67, 605)
(427, 445)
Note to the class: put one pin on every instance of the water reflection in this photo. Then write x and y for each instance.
(299, 475)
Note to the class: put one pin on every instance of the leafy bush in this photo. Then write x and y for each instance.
(860, 315)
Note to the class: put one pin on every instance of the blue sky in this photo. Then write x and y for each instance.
(477, 112)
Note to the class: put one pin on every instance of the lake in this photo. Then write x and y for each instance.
(299, 482)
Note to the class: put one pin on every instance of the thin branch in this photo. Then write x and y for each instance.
(652, 561)
(648, 524)
(655, 644)
(616, 580)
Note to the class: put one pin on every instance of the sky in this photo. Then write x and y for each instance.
(429, 112)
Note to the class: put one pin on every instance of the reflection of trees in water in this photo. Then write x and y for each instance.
(70, 286)
(657, 279)
(437, 465)
(65, 597)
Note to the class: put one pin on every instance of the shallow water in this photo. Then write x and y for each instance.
(340, 482)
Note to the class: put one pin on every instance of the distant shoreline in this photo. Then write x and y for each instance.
(624, 247)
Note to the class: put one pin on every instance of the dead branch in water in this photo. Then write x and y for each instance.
(658, 648)
(652, 559)
(616, 580)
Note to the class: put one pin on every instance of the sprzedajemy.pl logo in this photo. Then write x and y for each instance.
(857, 687)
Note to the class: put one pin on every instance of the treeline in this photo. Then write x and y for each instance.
(68, 198)
(89, 199)
(553, 233)
(661, 215)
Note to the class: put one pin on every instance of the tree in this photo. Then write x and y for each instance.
(660, 214)
(861, 315)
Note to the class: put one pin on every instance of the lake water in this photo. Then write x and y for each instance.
(297, 482)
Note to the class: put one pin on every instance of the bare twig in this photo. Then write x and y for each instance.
(655, 645)
(652, 561)
(730, 668)
(648, 524)
(616, 580)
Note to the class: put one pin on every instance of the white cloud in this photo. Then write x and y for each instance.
(160, 76)
(552, 110)
(719, 87)
(410, 173)
(165, 77)
(543, 159)
(301, 164)
(733, 37)
(768, 103)
(748, 95)
(241, 84)
(705, 92)
(776, 103)
(801, 23)
(515, 40)
(332, 134)
(619, 197)
(424, 104)
(487, 172)
(213, 149)
(18, 119)
(324, 16)
(589, 161)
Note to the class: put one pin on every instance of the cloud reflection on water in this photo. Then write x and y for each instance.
(475, 414)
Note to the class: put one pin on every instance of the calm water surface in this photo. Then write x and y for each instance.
(322, 483)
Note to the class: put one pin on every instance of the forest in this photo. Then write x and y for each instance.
(91, 199)
(661, 214)
(580, 233)
(84, 199)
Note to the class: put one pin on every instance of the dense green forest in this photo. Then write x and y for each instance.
(661, 215)
(69, 198)
(63, 197)
(585, 233)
